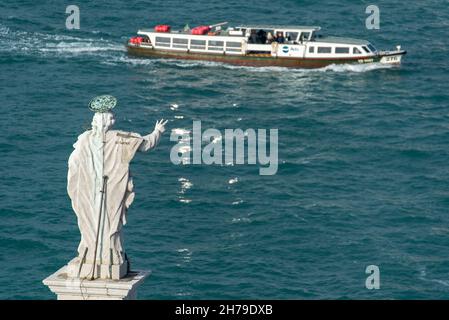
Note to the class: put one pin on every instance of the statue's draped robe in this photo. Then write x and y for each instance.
(92, 159)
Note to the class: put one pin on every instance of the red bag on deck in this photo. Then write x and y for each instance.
(201, 30)
(136, 40)
(162, 28)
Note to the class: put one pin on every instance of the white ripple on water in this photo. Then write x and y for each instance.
(186, 255)
(185, 185)
(241, 220)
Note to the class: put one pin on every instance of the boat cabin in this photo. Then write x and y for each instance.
(277, 41)
(260, 38)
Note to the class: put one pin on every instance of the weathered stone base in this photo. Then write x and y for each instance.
(67, 288)
(102, 271)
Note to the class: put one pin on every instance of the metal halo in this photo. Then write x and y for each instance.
(102, 103)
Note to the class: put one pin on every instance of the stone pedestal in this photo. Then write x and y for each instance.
(115, 271)
(67, 288)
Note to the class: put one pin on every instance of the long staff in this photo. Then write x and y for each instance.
(103, 191)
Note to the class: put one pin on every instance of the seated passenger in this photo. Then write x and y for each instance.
(270, 38)
(280, 37)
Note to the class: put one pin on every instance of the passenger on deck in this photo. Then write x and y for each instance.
(253, 37)
(261, 36)
(280, 37)
(270, 38)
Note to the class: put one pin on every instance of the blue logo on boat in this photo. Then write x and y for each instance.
(285, 49)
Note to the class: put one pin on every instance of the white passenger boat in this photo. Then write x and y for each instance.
(258, 45)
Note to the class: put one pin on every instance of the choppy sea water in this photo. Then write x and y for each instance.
(363, 151)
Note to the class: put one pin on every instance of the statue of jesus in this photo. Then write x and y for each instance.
(101, 190)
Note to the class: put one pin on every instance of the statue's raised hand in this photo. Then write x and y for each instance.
(160, 125)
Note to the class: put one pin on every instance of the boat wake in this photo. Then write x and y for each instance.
(41, 44)
(187, 64)
(358, 68)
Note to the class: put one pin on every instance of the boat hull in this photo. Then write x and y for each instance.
(256, 60)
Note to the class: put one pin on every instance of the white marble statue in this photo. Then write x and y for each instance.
(101, 190)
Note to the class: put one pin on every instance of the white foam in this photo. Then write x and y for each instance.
(355, 67)
(243, 219)
(185, 184)
(54, 44)
(79, 47)
(180, 131)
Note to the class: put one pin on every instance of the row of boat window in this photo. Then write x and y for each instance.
(339, 50)
(214, 45)
(217, 45)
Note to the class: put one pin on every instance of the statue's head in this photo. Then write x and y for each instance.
(102, 122)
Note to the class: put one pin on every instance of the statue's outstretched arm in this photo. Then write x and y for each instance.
(151, 140)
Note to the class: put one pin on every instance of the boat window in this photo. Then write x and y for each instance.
(180, 43)
(304, 36)
(371, 47)
(198, 44)
(365, 48)
(356, 51)
(341, 50)
(233, 44)
(163, 41)
(324, 49)
(215, 45)
(311, 49)
(292, 36)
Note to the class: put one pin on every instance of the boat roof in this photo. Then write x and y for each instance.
(279, 27)
(341, 40)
